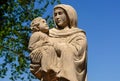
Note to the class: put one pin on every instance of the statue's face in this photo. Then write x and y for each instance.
(60, 17)
(40, 25)
(43, 25)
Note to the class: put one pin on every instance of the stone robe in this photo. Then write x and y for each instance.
(71, 49)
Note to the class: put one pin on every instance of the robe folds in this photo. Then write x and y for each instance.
(70, 55)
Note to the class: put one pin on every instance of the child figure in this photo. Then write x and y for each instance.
(38, 39)
(40, 32)
(42, 52)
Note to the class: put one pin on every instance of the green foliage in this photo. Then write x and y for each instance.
(15, 18)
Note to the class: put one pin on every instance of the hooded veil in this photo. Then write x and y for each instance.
(70, 11)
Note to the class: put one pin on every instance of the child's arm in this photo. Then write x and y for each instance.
(37, 39)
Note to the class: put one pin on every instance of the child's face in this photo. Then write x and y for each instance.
(40, 25)
(43, 25)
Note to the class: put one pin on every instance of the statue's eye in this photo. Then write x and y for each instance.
(60, 13)
(55, 14)
(44, 21)
(32, 23)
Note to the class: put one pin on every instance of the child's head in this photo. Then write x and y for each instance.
(39, 24)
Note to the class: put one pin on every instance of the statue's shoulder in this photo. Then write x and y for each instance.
(78, 29)
(53, 30)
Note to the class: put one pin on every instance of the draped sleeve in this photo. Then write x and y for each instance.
(78, 42)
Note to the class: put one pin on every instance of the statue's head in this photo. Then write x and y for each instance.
(65, 15)
(39, 24)
(60, 17)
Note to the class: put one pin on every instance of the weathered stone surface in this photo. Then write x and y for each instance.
(61, 53)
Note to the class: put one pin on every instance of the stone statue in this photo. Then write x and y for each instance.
(62, 56)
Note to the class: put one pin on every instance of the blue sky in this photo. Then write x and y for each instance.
(101, 21)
